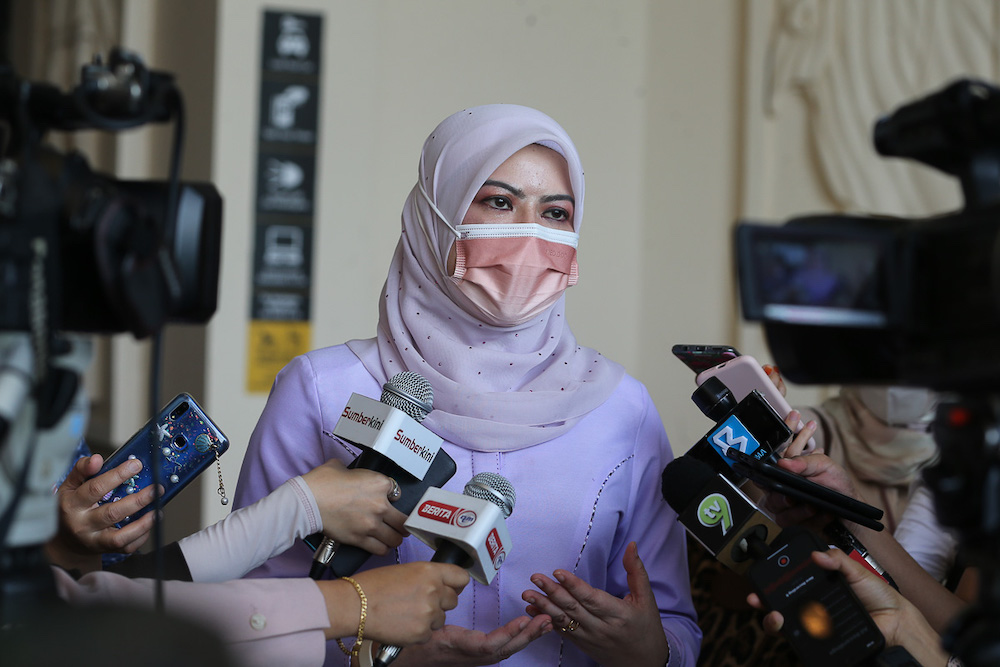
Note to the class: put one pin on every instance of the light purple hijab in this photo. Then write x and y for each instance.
(495, 388)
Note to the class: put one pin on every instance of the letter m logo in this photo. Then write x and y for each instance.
(732, 433)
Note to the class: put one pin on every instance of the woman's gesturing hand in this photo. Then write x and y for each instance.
(611, 630)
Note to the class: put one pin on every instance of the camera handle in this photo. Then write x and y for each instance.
(966, 488)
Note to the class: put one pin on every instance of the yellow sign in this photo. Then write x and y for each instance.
(273, 344)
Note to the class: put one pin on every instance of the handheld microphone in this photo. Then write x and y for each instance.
(464, 529)
(394, 444)
(716, 513)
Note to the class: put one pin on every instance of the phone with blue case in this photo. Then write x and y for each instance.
(186, 441)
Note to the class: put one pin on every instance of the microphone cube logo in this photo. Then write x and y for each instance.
(495, 549)
(714, 510)
(437, 511)
(732, 433)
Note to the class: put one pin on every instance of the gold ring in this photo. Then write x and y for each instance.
(395, 493)
(571, 626)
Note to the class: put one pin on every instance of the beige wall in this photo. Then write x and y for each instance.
(654, 94)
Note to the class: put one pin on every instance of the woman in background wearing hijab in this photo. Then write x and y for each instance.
(474, 303)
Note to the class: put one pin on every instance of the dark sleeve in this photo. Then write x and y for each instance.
(143, 565)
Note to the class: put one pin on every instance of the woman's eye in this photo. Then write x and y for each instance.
(498, 202)
(558, 214)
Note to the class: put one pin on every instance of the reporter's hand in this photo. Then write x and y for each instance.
(406, 603)
(86, 529)
(775, 377)
(899, 621)
(800, 439)
(355, 507)
(818, 468)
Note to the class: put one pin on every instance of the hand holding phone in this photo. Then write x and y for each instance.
(184, 440)
(824, 620)
(743, 375)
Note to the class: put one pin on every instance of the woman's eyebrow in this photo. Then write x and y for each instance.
(548, 198)
(519, 193)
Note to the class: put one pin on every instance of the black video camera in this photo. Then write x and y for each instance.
(82, 251)
(877, 300)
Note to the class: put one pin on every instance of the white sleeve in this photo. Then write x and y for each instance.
(251, 535)
(933, 546)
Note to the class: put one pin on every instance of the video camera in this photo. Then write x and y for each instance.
(850, 299)
(85, 251)
(81, 252)
(874, 300)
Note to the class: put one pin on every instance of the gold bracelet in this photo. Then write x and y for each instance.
(361, 623)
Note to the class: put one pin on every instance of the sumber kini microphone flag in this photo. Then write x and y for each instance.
(374, 425)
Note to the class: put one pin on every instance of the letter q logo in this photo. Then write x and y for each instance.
(713, 511)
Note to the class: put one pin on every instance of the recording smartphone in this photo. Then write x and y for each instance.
(743, 375)
(702, 357)
(185, 440)
(824, 621)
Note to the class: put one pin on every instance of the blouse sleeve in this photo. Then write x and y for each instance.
(262, 622)
(288, 438)
(660, 539)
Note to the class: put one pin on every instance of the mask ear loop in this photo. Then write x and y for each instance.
(423, 227)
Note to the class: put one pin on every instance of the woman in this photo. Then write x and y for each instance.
(478, 309)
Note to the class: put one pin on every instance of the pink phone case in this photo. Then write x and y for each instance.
(744, 374)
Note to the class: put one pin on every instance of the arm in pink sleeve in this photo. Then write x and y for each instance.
(251, 535)
(263, 622)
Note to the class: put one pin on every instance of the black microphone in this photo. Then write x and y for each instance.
(716, 513)
(412, 394)
(481, 531)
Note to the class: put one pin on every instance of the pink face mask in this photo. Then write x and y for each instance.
(514, 272)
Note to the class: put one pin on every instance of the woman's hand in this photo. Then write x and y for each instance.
(86, 529)
(611, 630)
(454, 646)
(355, 507)
(406, 603)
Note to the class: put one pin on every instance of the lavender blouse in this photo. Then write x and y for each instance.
(581, 498)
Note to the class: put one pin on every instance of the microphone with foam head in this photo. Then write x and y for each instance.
(411, 394)
(467, 530)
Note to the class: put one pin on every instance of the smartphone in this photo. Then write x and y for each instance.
(702, 357)
(825, 622)
(743, 375)
(185, 440)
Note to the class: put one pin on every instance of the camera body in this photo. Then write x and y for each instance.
(878, 300)
(866, 300)
(85, 252)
